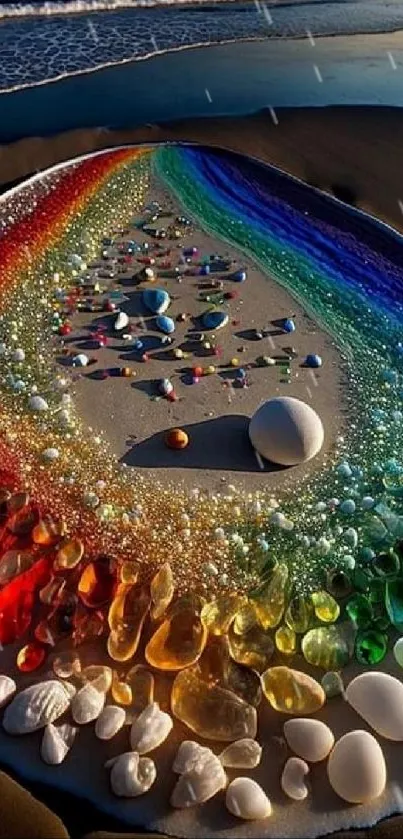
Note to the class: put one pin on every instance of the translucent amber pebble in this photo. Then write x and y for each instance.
(126, 619)
(286, 640)
(66, 664)
(245, 619)
(98, 675)
(216, 666)
(87, 625)
(50, 593)
(129, 573)
(121, 691)
(325, 607)
(299, 614)
(327, 647)
(30, 657)
(69, 554)
(96, 584)
(48, 532)
(253, 648)
(162, 590)
(141, 683)
(212, 712)
(218, 615)
(13, 563)
(270, 600)
(179, 641)
(291, 691)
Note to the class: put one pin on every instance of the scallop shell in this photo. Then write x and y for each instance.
(201, 782)
(109, 722)
(87, 704)
(243, 754)
(36, 707)
(131, 774)
(56, 743)
(310, 739)
(7, 689)
(150, 729)
(246, 800)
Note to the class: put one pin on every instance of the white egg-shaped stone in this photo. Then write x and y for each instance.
(87, 704)
(378, 699)
(286, 431)
(109, 722)
(7, 689)
(310, 739)
(356, 767)
(246, 800)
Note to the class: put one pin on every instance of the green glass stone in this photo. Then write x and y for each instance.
(299, 614)
(362, 579)
(381, 623)
(326, 647)
(386, 565)
(370, 646)
(359, 610)
(376, 592)
(394, 603)
(338, 583)
(332, 684)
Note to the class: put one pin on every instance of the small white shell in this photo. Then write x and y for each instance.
(131, 774)
(292, 779)
(150, 729)
(37, 403)
(201, 782)
(7, 689)
(310, 739)
(56, 743)
(121, 321)
(36, 707)
(188, 754)
(109, 722)
(87, 704)
(243, 754)
(246, 800)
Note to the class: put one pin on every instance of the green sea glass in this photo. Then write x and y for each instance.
(360, 611)
(394, 603)
(327, 647)
(370, 646)
(386, 565)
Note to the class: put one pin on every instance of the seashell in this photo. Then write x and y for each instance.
(109, 722)
(378, 699)
(7, 689)
(131, 774)
(188, 754)
(246, 800)
(87, 704)
(214, 320)
(156, 300)
(37, 403)
(356, 767)
(310, 739)
(165, 324)
(292, 779)
(121, 321)
(36, 707)
(203, 780)
(243, 754)
(150, 729)
(56, 743)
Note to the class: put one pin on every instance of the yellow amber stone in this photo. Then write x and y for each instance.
(162, 590)
(141, 682)
(216, 666)
(69, 554)
(291, 691)
(254, 648)
(129, 573)
(121, 691)
(325, 606)
(329, 647)
(98, 675)
(286, 640)
(299, 614)
(270, 600)
(209, 710)
(126, 618)
(48, 532)
(245, 619)
(179, 641)
(218, 615)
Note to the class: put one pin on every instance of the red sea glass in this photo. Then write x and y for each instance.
(17, 599)
(30, 657)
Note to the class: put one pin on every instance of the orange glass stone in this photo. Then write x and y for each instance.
(129, 572)
(87, 625)
(30, 657)
(96, 584)
(141, 682)
(253, 648)
(69, 554)
(162, 590)
(179, 641)
(121, 691)
(218, 615)
(98, 675)
(126, 618)
(48, 532)
(217, 667)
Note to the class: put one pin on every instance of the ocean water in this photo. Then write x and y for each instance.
(36, 49)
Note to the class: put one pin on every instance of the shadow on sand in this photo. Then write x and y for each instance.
(219, 444)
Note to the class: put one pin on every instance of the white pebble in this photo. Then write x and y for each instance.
(245, 799)
(109, 722)
(87, 704)
(18, 355)
(50, 454)
(7, 689)
(293, 778)
(56, 743)
(242, 754)
(36, 403)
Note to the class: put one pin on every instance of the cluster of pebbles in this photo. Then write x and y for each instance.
(355, 763)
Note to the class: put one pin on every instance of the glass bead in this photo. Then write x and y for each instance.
(360, 611)
(253, 648)
(328, 647)
(325, 606)
(299, 614)
(69, 554)
(270, 600)
(291, 691)
(30, 657)
(66, 664)
(218, 615)
(96, 584)
(286, 640)
(162, 591)
(179, 641)
(126, 617)
(370, 646)
(332, 684)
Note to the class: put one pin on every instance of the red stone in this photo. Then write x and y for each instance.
(65, 329)
(30, 657)
(17, 600)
